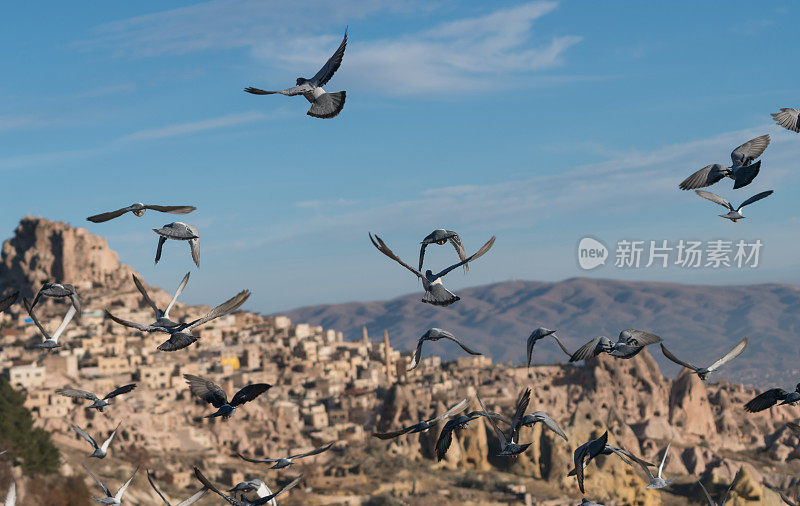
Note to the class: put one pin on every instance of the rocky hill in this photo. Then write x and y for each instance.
(698, 322)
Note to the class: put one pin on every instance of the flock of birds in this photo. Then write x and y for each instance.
(743, 170)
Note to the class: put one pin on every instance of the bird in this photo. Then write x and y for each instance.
(193, 499)
(138, 209)
(261, 489)
(532, 419)
(539, 334)
(8, 301)
(111, 499)
(787, 117)
(59, 291)
(435, 292)
(587, 502)
(244, 502)
(179, 337)
(441, 236)
(323, 104)
(435, 334)
(459, 422)
(49, 342)
(208, 391)
(162, 317)
(284, 462)
(97, 403)
(733, 214)
(179, 231)
(424, 425)
(771, 397)
(11, 497)
(786, 500)
(703, 372)
(509, 446)
(742, 169)
(658, 480)
(628, 345)
(586, 452)
(727, 492)
(101, 451)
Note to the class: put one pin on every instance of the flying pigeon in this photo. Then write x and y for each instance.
(658, 480)
(540, 416)
(208, 391)
(261, 489)
(771, 397)
(441, 236)
(49, 343)
(59, 291)
(424, 425)
(727, 492)
(162, 317)
(179, 231)
(193, 499)
(509, 446)
(787, 117)
(540, 334)
(97, 403)
(323, 104)
(115, 500)
(459, 422)
(742, 169)
(138, 209)
(8, 301)
(628, 345)
(435, 334)
(733, 214)
(244, 502)
(288, 461)
(703, 372)
(586, 452)
(435, 292)
(101, 451)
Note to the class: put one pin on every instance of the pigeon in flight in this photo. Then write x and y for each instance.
(11, 497)
(244, 502)
(435, 292)
(435, 334)
(441, 236)
(193, 499)
(162, 317)
(8, 301)
(786, 500)
(733, 214)
(288, 461)
(628, 345)
(742, 169)
(110, 499)
(179, 337)
(323, 104)
(459, 422)
(586, 452)
(703, 372)
(540, 416)
(658, 480)
(787, 117)
(727, 492)
(49, 343)
(97, 403)
(509, 447)
(59, 291)
(138, 209)
(424, 425)
(261, 489)
(179, 231)
(208, 391)
(771, 397)
(539, 334)
(100, 452)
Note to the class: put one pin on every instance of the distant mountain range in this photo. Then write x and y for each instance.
(698, 323)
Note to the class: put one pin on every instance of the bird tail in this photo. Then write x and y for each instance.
(745, 175)
(440, 299)
(327, 105)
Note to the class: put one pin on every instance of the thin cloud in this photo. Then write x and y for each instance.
(193, 127)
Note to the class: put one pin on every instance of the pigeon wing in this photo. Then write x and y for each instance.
(381, 246)
(77, 394)
(223, 309)
(586, 351)
(133, 325)
(486, 247)
(765, 400)
(756, 198)
(85, 435)
(177, 341)
(633, 337)
(100, 218)
(8, 301)
(207, 484)
(290, 485)
(706, 176)
(105, 489)
(177, 294)
(171, 209)
(715, 198)
(248, 393)
(332, 65)
(29, 308)
(675, 359)
(120, 390)
(463, 346)
(444, 441)
(206, 390)
(143, 291)
(735, 352)
(122, 489)
(193, 499)
(747, 153)
(11, 498)
(315, 451)
(153, 484)
(787, 118)
(550, 424)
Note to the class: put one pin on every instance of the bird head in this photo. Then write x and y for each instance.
(428, 273)
(301, 81)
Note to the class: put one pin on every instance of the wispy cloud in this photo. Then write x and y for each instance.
(193, 127)
(324, 204)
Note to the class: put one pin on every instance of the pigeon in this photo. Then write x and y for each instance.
(244, 502)
(100, 452)
(162, 317)
(539, 334)
(540, 416)
(587, 502)
(288, 461)
(49, 342)
(11, 497)
(628, 345)
(261, 489)
(138, 209)
(703, 372)
(323, 104)
(771, 397)
(586, 452)
(193, 499)
(459, 422)
(208, 391)
(111, 499)
(8, 301)
(60, 291)
(435, 334)
(787, 117)
(424, 425)
(786, 500)
(742, 169)
(179, 231)
(658, 480)
(179, 338)
(97, 403)
(733, 214)
(441, 236)
(435, 292)
(509, 447)
(727, 492)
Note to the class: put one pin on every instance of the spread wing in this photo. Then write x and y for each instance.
(210, 486)
(256, 461)
(705, 492)
(787, 118)
(120, 390)
(77, 394)
(486, 247)
(194, 247)
(100, 483)
(206, 390)
(99, 218)
(289, 92)
(735, 352)
(67, 318)
(550, 423)
(29, 308)
(784, 497)
(463, 346)
(417, 355)
(561, 345)
(730, 487)
(633, 337)
(675, 359)
(177, 294)
(491, 421)
(249, 393)
(147, 299)
(765, 400)
(8, 301)
(522, 406)
(153, 484)
(133, 325)
(171, 209)
(715, 198)
(444, 441)
(332, 65)
(122, 490)
(706, 176)
(223, 309)
(85, 435)
(756, 198)
(392, 435)
(746, 153)
(11, 498)
(315, 451)
(177, 341)
(586, 351)
(381, 246)
(194, 498)
(450, 412)
(290, 485)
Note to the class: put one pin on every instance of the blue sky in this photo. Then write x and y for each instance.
(540, 122)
